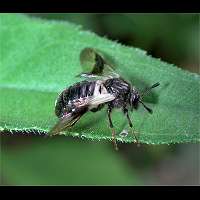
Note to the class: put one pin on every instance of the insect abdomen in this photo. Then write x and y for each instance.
(81, 90)
(74, 92)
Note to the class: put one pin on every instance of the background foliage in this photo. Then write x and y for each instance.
(145, 158)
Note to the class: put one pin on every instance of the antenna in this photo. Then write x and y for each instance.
(147, 108)
(145, 92)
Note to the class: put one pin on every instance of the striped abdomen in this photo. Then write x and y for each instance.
(73, 93)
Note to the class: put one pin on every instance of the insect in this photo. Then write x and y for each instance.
(102, 87)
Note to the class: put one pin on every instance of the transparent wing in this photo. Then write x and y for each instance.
(65, 122)
(94, 65)
(100, 99)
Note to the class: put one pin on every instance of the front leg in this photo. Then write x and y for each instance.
(125, 110)
(112, 127)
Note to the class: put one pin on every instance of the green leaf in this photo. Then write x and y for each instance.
(41, 58)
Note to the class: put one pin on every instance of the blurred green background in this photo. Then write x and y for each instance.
(35, 160)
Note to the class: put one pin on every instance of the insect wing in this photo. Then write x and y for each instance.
(93, 101)
(100, 99)
(82, 106)
(94, 65)
(65, 122)
(69, 119)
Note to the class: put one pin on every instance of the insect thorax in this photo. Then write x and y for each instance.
(120, 89)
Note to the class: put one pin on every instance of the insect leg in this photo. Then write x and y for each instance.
(125, 110)
(112, 127)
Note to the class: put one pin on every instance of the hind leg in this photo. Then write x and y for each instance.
(112, 127)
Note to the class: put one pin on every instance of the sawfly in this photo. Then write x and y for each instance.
(102, 87)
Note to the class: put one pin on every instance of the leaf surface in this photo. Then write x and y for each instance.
(39, 59)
